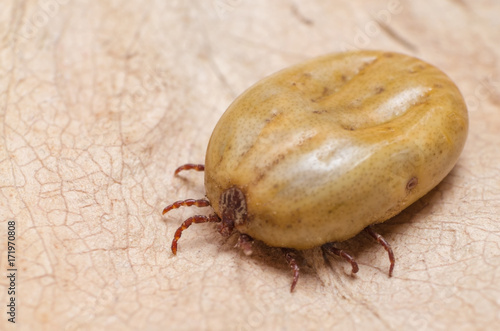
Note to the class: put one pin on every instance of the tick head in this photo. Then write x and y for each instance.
(233, 209)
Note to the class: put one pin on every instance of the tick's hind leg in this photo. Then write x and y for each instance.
(189, 166)
(385, 244)
(329, 248)
(290, 258)
(187, 223)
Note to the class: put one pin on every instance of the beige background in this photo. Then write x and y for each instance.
(101, 100)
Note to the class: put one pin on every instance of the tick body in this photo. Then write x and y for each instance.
(319, 151)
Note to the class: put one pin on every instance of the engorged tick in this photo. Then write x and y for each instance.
(296, 168)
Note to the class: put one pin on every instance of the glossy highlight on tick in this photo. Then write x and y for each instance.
(320, 151)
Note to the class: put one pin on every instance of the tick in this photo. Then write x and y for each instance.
(318, 152)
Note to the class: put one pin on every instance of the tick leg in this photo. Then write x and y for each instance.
(385, 244)
(187, 223)
(290, 259)
(189, 166)
(245, 242)
(329, 248)
(188, 203)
